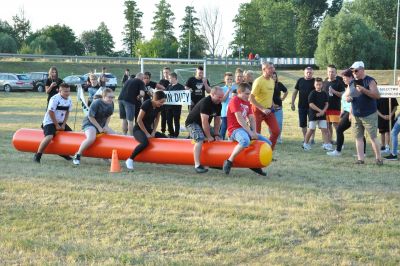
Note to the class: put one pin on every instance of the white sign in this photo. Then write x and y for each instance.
(178, 97)
(389, 91)
(81, 98)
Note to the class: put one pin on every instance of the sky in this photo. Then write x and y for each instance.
(84, 15)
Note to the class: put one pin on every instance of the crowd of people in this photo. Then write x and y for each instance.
(235, 111)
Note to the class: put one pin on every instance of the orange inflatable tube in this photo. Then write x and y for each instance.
(163, 151)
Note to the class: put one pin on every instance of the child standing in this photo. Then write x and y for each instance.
(318, 103)
(55, 119)
(228, 78)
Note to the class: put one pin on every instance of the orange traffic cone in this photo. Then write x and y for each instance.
(115, 166)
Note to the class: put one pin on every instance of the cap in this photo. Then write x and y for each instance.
(357, 65)
(347, 73)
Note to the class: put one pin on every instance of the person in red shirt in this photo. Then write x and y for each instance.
(239, 112)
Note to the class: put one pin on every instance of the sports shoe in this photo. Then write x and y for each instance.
(36, 158)
(76, 160)
(129, 164)
(334, 153)
(227, 166)
(259, 171)
(200, 169)
(379, 162)
(306, 146)
(391, 157)
(327, 147)
(359, 162)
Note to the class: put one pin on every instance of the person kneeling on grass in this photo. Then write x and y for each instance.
(318, 102)
(239, 109)
(55, 119)
(146, 124)
(96, 121)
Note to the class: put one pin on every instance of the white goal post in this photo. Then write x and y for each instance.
(173, 60)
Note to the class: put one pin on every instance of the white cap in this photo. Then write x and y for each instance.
(357, 65)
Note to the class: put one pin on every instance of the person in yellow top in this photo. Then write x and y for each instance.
(262, 104)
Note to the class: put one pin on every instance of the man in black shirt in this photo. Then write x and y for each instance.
(304, 86)
(198, 123)
(334, 88)
(129, 98)
(126, 76)
(174, 111)
(198, 86)
(164, 82)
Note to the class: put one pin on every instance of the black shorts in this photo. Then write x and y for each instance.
(50, 129)
(303, 115)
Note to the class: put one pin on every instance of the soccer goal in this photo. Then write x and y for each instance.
(184, 68)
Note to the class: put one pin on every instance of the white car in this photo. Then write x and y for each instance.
(12, 81)
(111, 79)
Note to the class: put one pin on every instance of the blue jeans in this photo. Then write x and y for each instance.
(243, 138)
(224, 126)
(279, 119)
(394, 136)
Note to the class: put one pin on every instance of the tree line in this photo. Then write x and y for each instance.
(338, 33)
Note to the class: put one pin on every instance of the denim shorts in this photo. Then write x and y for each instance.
(241, 136)
(126, 110)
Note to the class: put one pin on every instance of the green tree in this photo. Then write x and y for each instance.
(335, 8)
(190, 33)
(44, 45)
(21, 26)
(162, 48)
(132, 34)
(308, 14)
(163, 21)
(346, 38)
(65, 38)
(105, 42)
(5, 27)
(88, 39)
(7, 43)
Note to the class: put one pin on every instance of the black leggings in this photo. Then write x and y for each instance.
(173, 118)
(344, 124)
(143, 141)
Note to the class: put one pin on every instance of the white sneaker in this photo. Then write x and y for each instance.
(334, 153)
(306, 146)
(327, 147)
(129, 164)
(76, 160)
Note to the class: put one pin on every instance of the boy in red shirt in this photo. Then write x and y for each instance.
(239, 112)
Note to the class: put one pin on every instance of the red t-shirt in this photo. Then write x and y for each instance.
(237, 105)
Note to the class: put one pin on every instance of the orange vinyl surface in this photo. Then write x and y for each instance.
(163, 151)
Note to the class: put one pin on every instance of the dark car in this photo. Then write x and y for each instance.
(75, 80)
(38, 80)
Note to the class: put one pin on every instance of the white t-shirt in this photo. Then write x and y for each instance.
(59, 106)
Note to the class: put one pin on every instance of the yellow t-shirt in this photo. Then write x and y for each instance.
(263, 91)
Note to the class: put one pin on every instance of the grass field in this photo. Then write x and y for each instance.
(311, 209)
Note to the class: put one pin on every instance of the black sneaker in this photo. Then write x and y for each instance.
(66, 157)
(36, 158)
(259, 171)
(227, 166)
(77, 159)
(383, 148)
(391, 157)
(200, 169)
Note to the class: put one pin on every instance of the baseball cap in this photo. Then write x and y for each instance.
(357, 65)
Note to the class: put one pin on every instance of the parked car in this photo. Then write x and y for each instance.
(38, 80)
(111, 80)
(11, 81)
(75, 80)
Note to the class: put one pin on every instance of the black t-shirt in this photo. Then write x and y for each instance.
(334, 101)
(276, 98)
(383, 105)
(319, 98)
(198, 89)
(149, 116)
(305, 87)
(148, 90)
(131, 90)
(204, 106)
(164, 83)
(54, 90)
(125, 78)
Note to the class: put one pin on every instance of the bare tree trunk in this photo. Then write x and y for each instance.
(211, 28)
